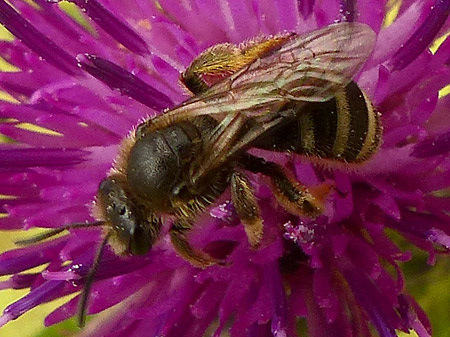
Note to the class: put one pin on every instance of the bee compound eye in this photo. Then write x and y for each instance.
(105, 186)
(181, 191)
(140, 130)
(178, 189)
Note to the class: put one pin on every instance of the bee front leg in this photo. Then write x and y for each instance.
(291, 194)
(178, 236)
(247, 208)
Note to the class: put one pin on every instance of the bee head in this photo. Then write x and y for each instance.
(132, 231)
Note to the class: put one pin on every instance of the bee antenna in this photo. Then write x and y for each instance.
(82, 304)
(56, 231)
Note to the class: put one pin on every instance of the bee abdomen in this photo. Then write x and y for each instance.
(346, 128)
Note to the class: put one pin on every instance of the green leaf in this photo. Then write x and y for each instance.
(63, 329)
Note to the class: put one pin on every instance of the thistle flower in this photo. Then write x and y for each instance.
(89, 87)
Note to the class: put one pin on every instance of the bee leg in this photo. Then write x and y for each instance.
(178, 236)
(290, 193)
(225, 59)
(247, 208)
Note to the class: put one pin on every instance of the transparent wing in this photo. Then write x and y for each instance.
(307, 68)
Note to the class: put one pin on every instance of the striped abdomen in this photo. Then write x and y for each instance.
(346, 128)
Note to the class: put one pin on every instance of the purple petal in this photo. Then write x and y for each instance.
(128, 84)
(388, 205)
(18, 260)
(15, 158)
(391, 38)
(435, 146)
(439, 237)
(57, 25)
(348, 10)
(71, 131)
(279, 325)
(44, 293)
(381, 313)
(35, 40)
(327, 12)
(422, 37)
(306, 7)
(129, 276)
(371, 13)
(289, 14)
(416, 314)
(113, 25)
(237, 288)
(19, 281)
(325, 295)
(420, 225)
(317, 325)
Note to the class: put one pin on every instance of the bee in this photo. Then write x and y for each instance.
(286, 93)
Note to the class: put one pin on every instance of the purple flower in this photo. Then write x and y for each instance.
(89, 88)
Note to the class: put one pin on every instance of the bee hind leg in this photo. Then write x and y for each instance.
(178, 236)
(247, 208)
(291, 194)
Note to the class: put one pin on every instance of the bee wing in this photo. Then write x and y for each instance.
(227, 140)
(308, 68)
